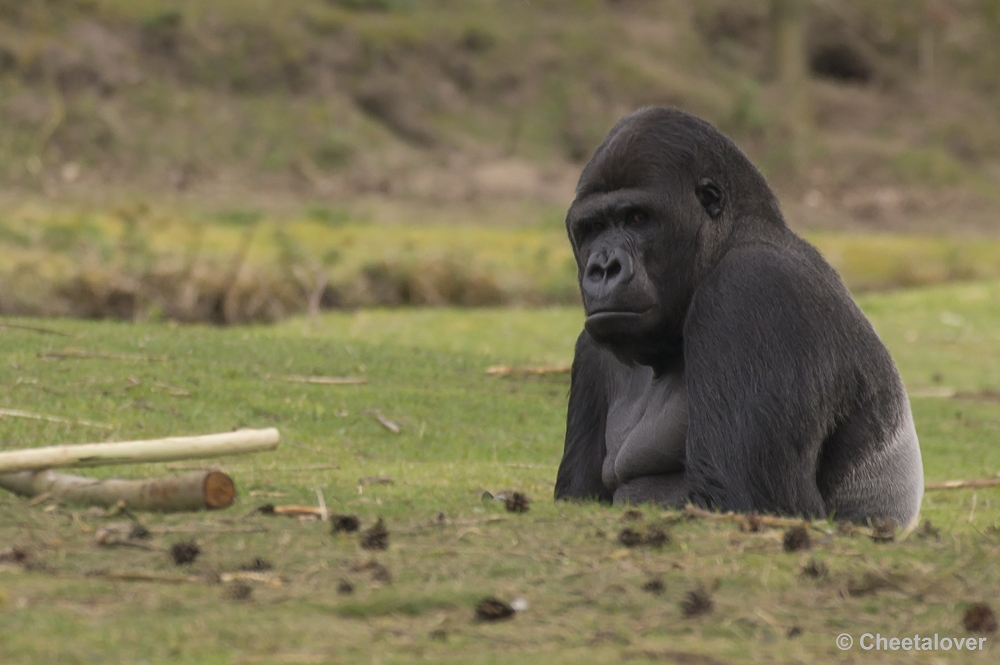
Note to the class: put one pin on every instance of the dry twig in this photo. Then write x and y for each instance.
(962, 484)
(74, 354)
(328, 380)
(507, 370)
(37, 329)
(17, 413)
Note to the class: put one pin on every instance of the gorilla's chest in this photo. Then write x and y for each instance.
(646, 427)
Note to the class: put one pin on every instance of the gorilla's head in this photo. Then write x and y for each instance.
(661, 200)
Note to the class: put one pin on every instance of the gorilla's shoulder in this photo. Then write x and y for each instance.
(784, 288)
(787, 266)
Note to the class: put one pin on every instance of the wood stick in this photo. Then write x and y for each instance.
(37, 329)
(294, 511)
(764, 520)
(386, 423)
(190, 491)
(961, 484)
(329, 380)
(507, 370)
(17, 413)
(73, 354)
(131, 452)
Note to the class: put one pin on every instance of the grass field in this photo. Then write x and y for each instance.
(462, 433)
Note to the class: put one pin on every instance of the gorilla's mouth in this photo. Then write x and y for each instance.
(606, 314)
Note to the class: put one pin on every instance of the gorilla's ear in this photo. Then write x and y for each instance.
(710, 197)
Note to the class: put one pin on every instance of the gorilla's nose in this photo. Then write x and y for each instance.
(605, 272)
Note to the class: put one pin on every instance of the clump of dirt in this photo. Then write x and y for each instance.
(794, 631)
(980, 619)
(265, 509)
(609, 637)
(493, 609)
(845, 529)
(185, 552)
(210, 577)
(656, 537)
(696, 602)
(139, 532)
(797, 538)
(870, 582)
(654, 586)
(653, 537)
(752, 524)
(928, 530)
(883, 530)
(15, 554)
(632, 516)
(375, 538)
(816, 569)
(345, 588)
(257, 565)
(517, 502)
(344, 523)
(239, 591)
(630, 537)
(381, 574)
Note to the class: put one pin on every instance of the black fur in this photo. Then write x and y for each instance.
(723, 361)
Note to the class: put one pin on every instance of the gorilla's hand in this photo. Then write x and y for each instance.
(669, 490)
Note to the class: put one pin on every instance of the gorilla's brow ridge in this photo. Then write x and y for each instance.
(609, 206)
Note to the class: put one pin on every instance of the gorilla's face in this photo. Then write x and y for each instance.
(637, 227)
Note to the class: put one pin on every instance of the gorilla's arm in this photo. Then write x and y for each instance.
(579, 474)
(768, 378)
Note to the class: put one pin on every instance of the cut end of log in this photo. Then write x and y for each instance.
(219, 490)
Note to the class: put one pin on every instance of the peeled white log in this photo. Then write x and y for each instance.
(131, 452)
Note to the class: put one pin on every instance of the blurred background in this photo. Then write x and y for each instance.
(231, 161)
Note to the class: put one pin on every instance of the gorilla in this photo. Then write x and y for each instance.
(722, 361)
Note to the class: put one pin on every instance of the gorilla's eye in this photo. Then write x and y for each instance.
(637, 216)
(586, 228)
(710, 197)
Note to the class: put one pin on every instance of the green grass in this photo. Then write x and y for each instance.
(463, 432)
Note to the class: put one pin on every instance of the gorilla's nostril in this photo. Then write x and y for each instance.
(595, 272)
(613, 269)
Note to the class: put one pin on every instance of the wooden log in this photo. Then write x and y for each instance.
(191, 491)
(131, 452)
(963, 484)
